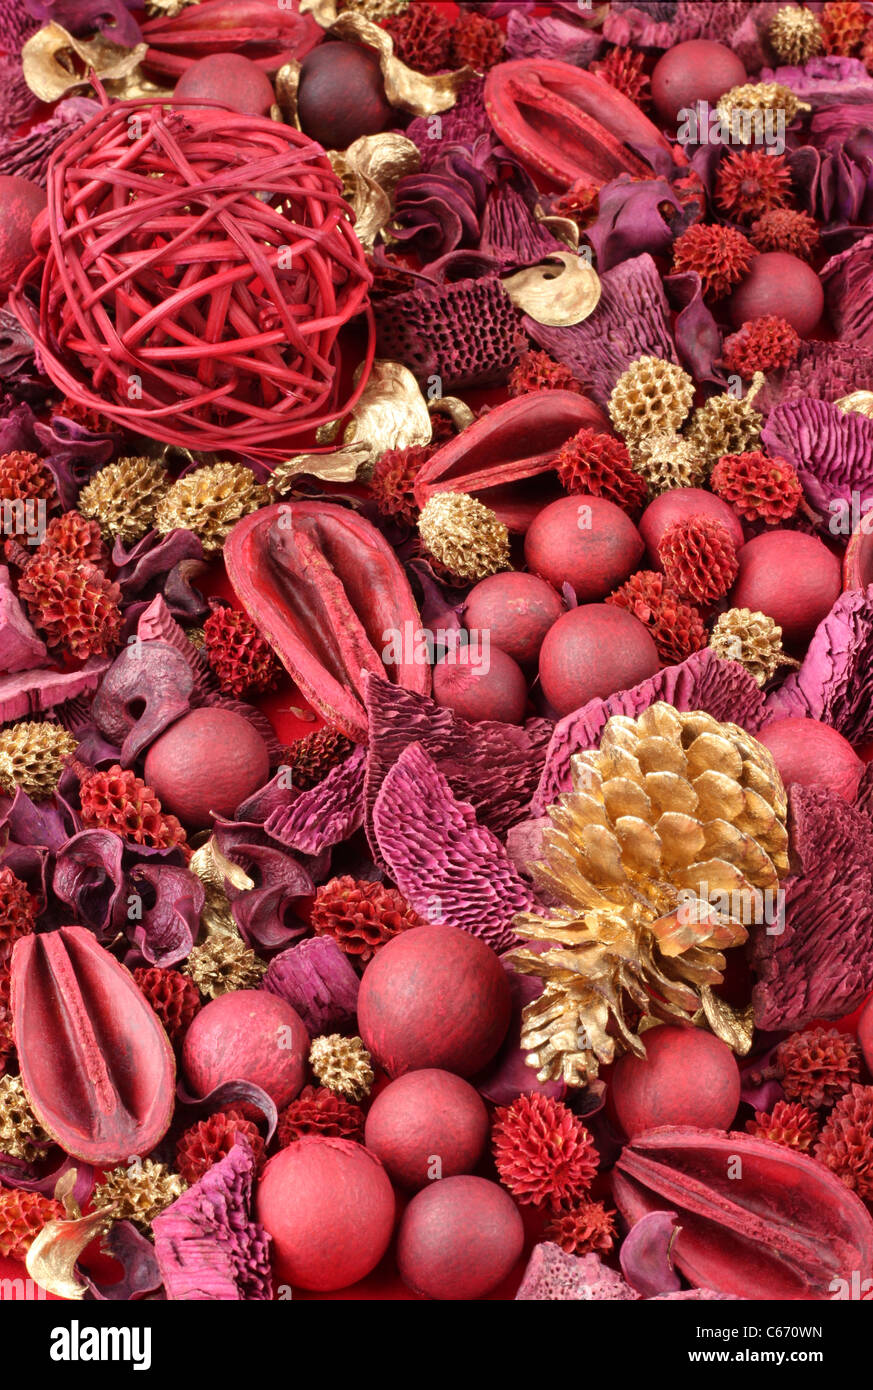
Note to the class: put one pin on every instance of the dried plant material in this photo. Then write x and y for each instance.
(52, 1258)
(795, 34)
(411, 91)
(123, 497)
(562, 228)
(457, 410)
(370, 169)
(727, 424)
(556, 298)
(666, 461)
(285, 85)
(753, 639)
(343, 1065)
(222, 963)
(652, 395)
(214, 869)
(32, 756)
(464, 535)
(752, 97)
(209, 502)
(168, 9)
(56, 64)
(21, 1134)
(858, 402)
(322, 11)
(139, 1192)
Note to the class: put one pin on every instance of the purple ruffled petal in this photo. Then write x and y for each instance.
(316, 979)
(835, 681)
(167, 931)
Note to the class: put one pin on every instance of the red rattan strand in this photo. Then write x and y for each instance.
(210, 258)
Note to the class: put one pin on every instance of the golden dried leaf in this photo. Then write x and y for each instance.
(339, 467)
(213, 868)
(55, 63)
(51, 1259)
(561, 291)
(322, 11)
(457, 410)
(405, 88)
(370, 169)
(736, 1027)
(564, 228)
(285, 85)
(857, 403)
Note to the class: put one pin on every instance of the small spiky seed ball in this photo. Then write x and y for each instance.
(22, 1217)
(210, 1140)
(422, 38)
(699, 557)
(755, 97)
(32, 756)
(464, 535)
(343, 1065)
(817, 1065)
(76, 539)
(788, 1123)
(543, 1152)
(240, 657)
(477, 42)
(318, 1110)
(21, 1134)
(139, 1192)
(752, 639)
(650, 396)
(676, 627)
(123, 497)
(18, 909)
(392, 482)
(210, 501)
(537, 371)
(795, 34)
(758, 487)
(846, 1143)
(73, 604)
(116, 799)
(584, 1229)
(727, 424)
(786, 229)
(223, 963)
(762, 345)
(749, 182)
(600, 466)
(174, 998)
(360, 916)
(622, 68)
(665, 461)
(844, 24)
(25, 477)
(720, 255)
(312, 757)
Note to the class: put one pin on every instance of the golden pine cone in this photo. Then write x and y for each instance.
(795, 34)
(464, 535)
(666, 461)
(139, 1193)
(758, 96)
(753, 639)
(726, 424)
(660, 857)
(210, 501)
(223, 963)
(376, 10)
(21, 1134)
(32, 755)
(651, 397)
(342, 1064)
(123, 497)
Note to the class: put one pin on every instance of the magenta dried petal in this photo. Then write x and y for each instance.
(327, 813)
(827, 371)
(316, 979)
(848, 282)
(468, 333)
(835, 681)
(27, 156)
(553, 1276)
(264, 914)
(832, 450)
(723, 689)
(461, 125)
(23, 693)
(90, 879)
(511, 232)
(168, 929)
(135, 1253)
(645, 1255)
(631, 321)
(448, 867)
(550, 36)
(630, 220)
(698, 336)
(820, 966)
(20, 648)
(150, 559)
(147, 687)
(111, 17)
(825, 81)
(206, 1243)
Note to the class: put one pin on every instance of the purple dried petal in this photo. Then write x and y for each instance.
(16, 1173)
(44, 824)
(78, 17)
(325, 814)
(831, 449)
(820, 966)
(723, 689)
(264, 914)
(90, 879)
(147, 687)
(463, 124)
(447, 866)
(239, 1091)
(23, 693)
(19, 102)
(631, 222)
(825, 370)
(17, 427)
(73, 453)
(206, 1243)
(157, 624)
(835, 681)
(552, 1276)
(16, 344)
(20, 648)
(27, 156)
(510, 230)
(550, 36)
(698, 336)
(167, 930)
(152, 558)
(135, 1253)
(848, 282)
(645, 1255)
(316, 979)
(183, 599)
(825, 81)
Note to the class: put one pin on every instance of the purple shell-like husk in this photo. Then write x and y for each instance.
(148, 673)
(645, 1255)
(207, 1245)
(73, 453)
(832, 450)
(825, 81)
(167, 931)
(16, 1173)
(90, 879)
(140, 1274)
(827, 371)
(157, 624)
(20, 648)
(704, 681)
(553, 1276)
(510, 231)
(835, 681)
(46, 824)
(848, 283)
(698, 336)
(111, 17)
(262, 913)
(448, 867)
(630, 221)
(152, 558)
(819, 964)
(23, 693)
(325, 814)
(316, 979)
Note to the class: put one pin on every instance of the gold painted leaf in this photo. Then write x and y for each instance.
(55, 63)
(51, 1259)
(417, 92)
(370, 169)
(561, 291)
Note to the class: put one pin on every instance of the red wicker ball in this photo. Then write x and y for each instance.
(197, 267)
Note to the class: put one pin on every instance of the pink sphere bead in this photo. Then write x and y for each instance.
(235, 81)
(593, 651)
(678, 504)
(792, 578)
(813, 754)
(780, 284)
(427, 1124)
(459, 1238)
(687, 1077)
(249, 1035)
(587, 542)
(206, 764)
(481, 682)
(697, 70)
(516, 609)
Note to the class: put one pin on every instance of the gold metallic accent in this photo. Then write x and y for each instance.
(464, 535)
(51, 1259)
(342, 1065)
(561, 291)
(55, 64)
(405, 88)
(33, 754)
(370, 169)
(857, 403)
(564, 228)
(457, 410)
(753, 639)
(285, 85)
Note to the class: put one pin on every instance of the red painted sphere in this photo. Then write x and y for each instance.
(586, 541)
(678, 504)
(516, 609)
(205, 764)
(481, 682)
(235, 81)
(459, 1238)
(813, 754)
(698, 70)
(247, 1034)
(434, 996)
(781, 284)
(593, 651)
(865, 1033)
(329, 1206)
(792, 578)
(341, 95)
(687, 1077)
(427, 1124)
(20, 203)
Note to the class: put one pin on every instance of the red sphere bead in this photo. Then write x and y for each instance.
(459, 1238)
(434, 997)
(593, 651)
(678, 504)
(480, 681)
(697, 70)
(329, 1206)
(865, 1033)
(247, 1034)
(813, 754)
(687, 1077)
(427, 1124)
(516, 609)
(779, 284)
(792, 578)
(235, 81)
(21, 202)
(587, 542)
(341, 95)
(205, 764)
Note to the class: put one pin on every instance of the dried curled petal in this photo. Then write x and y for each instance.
(830, 448)
(835, 680)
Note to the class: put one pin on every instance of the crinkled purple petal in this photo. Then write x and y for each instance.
(447, 866)
(23, 693)
(698, 336)
(511, 232)
(835, 681)
(90, 879)
(239, 1091)
(723, 689)
(166, 931)
(832, 450)
(555, 1277)
(325, 814)
(550, 36)
(848, 282)
(157, 624)
(631, 221)
(207, 1245)
(820, 964)
(20, 648)
(152, 558)
(27, 156)
(264, 914)
(316, 978)
(80, 17)
(645, 1255)
(135, 1253)
(19, 102)
(147, 687)
(73, 453)
(825, 370)
(825, 81)
(441, 606)
(463, 124)
(16, 1173)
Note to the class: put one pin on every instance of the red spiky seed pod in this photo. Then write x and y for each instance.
(749, 182)
(212, 1139)
(173, 996)
(360, 916)
(762, 345)
(23, 476)
(757, 487)
(73, 604)
(720, 255)
(477, 42)
(392, 482)
(584, 1229)
(786, 229)
(846, 1143)
(22, 1217)
(76, 539)
(82, 415)
(318, 1110)
(867, 51)
(817, 1066)
(117, 800)
(422, 38)
(240, 657)
(699, 557)
(788, 1123)
(676, 626)
(599, 465)
(844, 24)
(18, 909)
(622, 68)
(580, 203)
(312, 757)
(544, 1155)
(537, 371)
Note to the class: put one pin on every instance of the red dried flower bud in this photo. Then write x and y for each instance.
(174, 997)
(787, 1123)
(543, 1153)
(760, 488)
(786, 229)
(599, 465)
(676, 626)
(761, 345)
(360, 916)
(622, 68)
(22, 1217)
(720, 255)
(318, 1110)
(817, 1066)
(76, 539)
(477, 42)
(117, 800)
(585, 1228)
(844, 24)
(846, 1143)
(240, 657)
(18, 909)
(422, 38)
(749, 182)
(393, 478)
(73, 603)
(699, 557)
(211, 1139)
(537, 371)
(23, 476)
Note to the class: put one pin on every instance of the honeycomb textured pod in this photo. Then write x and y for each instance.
(468, 333)
(209, 501)
(753, 639)
(464, 535)
(32, 756)
(652, 396)
(727, 425)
